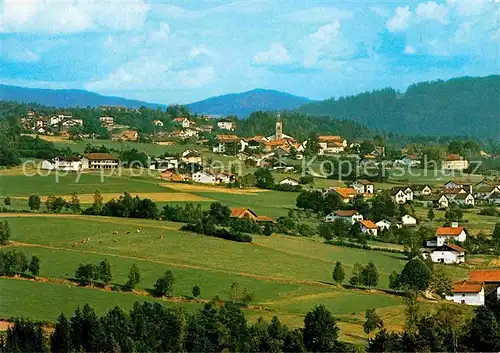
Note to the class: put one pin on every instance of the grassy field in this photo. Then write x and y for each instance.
(286, 274)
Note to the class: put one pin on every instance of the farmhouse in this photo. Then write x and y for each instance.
(384, 224)
(446, 234)
(421, 190)
(465, 199)
(409, 161)
(368, 227)
(289, 181)
(99, 161)
(363, 186)
(127, 135)
(448, 254)
(63, 163)
(191, 157)
(486, 191)
(440, 201)
(402, 194)
(169, 175)
(346, 194)
(243, 213)
(350, 216)
(226, 125)
(490, 279)
(331, 144)
(66, 123)
(184, 122)
(224, 177)
(223, 143)
(107, 121)
(455, 162)
(470, 293)
(204, 177)
(165, 163)
(408, 221)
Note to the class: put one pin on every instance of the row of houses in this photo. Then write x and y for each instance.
(56, 123)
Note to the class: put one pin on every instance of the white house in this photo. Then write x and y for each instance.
(331, 144)
(184, 122)
(157, 123)
(350, 216)
(99, 161)
(289, 181)
(368, 227)
(63, 163)
(72, 122)
(56, 120)
(226, 125)
(224, 178)
(408, 221)
(441, 201)
(448, 254)
(164, 163)
(223, 141)
(204, 177)
(383, 224)
(470, 293)
(401, 194)
(446, 234)
(107, 121)
(464, 199)
(363, 186)
(455, 162)
(408, 161)
(421, 190)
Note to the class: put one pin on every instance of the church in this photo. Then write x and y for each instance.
(279, 135)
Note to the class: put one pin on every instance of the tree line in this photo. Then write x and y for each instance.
(152, 327)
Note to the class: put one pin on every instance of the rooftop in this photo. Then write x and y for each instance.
(467, 287)
(449, 231)
(485, 275)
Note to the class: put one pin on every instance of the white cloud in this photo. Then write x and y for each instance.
(172, 11)
(400, 20)
(409, 50)
(327, 44)
(14, 50)
(380, 11)
(200, 50)
(432, 11)
(55, 17)
(242, 6)
(467, 8)
(462, 33)
(277, 54)
(318, 14)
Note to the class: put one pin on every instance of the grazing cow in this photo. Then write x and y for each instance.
(161, 236)
(75, 244)
(128, 232)
(83, 240)
(138, 230)
(115, 232)
(116, 241)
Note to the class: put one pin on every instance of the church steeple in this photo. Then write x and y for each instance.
(279, 127)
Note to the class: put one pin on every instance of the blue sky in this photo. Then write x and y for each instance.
(183, 51)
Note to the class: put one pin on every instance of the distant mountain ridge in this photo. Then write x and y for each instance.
(242, 104)
(67, 98)
(464, 106)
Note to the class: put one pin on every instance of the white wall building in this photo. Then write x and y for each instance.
(448, 254)
(204, 177)
(350, 216)
(467, 293)
(289, 181)
(63, 163)
(446, 234)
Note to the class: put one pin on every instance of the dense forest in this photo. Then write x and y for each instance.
(461, 106)
(301, 126)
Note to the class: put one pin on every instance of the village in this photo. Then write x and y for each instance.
(282, 153)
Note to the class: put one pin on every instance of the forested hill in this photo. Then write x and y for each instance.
(242, 104)
(301, 126)
(65, 98)
(466, 106)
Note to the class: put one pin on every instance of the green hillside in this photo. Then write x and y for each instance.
(457, 107)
